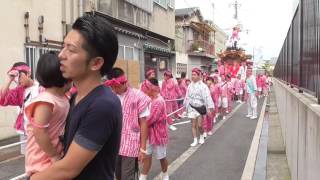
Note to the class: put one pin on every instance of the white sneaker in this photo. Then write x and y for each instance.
(253, 117)
(172, 127)
(165, 177)
(210, 133)
(201, 139)
(143, 177)
(224, 118)
(214, 120)
(205, 135)
(248, 115)
(195, 142)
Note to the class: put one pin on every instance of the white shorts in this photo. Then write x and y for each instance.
(193, 114)
(223, 102)
(159, 150)
(259, 89)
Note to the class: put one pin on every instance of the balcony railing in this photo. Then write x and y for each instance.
(201, 47)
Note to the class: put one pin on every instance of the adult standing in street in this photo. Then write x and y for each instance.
(251, 88)
(170, 92)
(93, 126)
(134, 133)
(26, 90)
(197, 102)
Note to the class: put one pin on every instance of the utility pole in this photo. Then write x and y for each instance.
(212, 12)
(236, 6)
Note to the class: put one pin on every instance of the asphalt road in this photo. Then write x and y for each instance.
(222, 157)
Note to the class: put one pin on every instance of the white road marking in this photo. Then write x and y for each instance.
(184, 156)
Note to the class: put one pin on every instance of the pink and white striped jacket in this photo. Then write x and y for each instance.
(224, 88)
(157, 122)
(183, 87)
(134, 102)
(20, 96)
(170, 89)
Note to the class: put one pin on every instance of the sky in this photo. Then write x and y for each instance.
(267, 22)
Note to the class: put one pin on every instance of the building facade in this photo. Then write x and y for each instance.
(33, 27)
(197, 41)
(144, 42)
(30, 28)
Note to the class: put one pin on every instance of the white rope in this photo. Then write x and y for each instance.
(175, 112)
(12, 145)
(169, 100)
(22, 176)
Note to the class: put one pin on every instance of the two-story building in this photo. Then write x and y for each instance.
(145, 32)
(30, 28)
(33, 27)
(194, 43)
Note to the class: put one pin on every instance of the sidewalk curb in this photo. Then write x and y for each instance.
(248, 171)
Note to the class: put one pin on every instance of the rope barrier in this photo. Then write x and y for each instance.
(170, 114)
(169, 100)
(22, 176)
(12, 145)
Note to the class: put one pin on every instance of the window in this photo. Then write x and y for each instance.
(33, 53)
(136, 54)
(171, 4)
(181, 68)
(163, 3)
(125, 11)
(105, 6)
(121, 52)
(128, 53)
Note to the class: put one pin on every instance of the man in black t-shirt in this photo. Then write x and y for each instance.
(92, 134)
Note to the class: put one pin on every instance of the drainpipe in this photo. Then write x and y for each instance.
(63, 18)
(80, 7)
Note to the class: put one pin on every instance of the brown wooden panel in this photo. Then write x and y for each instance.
(132, 70)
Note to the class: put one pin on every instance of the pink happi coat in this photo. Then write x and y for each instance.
(258, 81)
(207, 122)
(157, 122)
(183, 87)
(208, 118)
(237, 86)
(224, 88)
(134, 103)
(170, 91)
(221, 70)
(230, 94)
(263, 81)
(215, 90)
(15, 97)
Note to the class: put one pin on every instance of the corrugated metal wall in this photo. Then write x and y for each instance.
(299, 62)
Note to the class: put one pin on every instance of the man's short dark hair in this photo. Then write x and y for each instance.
(48, 71)
(101, 39)
(154, 81)
(115, 73)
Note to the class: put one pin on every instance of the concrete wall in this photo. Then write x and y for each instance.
(161, 16)
(220, 43)
(300, 121)
(13, 38)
